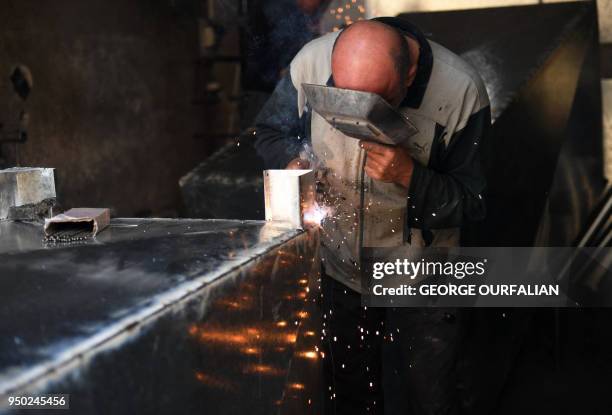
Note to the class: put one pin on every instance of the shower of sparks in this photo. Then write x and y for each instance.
(317, 214)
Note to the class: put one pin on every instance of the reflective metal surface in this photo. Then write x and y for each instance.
(162, 316)
(227, 185)
(289, 196)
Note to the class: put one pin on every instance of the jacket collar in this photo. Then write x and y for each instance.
(416, 91)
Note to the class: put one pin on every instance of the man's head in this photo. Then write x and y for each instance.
(373, 57)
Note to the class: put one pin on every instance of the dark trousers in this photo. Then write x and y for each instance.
(388, 360)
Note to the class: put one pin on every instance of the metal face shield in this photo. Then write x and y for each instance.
(360, 115)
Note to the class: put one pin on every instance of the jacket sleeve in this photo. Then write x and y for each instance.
(279, 129)
(449, 190)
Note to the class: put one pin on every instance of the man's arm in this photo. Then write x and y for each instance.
(280, 130)
(449, 190)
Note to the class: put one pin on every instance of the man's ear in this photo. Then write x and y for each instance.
(412, 72)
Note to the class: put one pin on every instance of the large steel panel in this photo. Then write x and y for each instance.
(162, 316)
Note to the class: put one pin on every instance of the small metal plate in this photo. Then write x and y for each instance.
(360, 115)
(289, 195)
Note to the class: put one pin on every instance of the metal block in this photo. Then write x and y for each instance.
(20, 186)
(289, 195)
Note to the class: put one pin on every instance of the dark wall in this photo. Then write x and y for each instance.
(111, 107)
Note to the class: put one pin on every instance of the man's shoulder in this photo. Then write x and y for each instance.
(321, 45)
(453, 74)
(313, 62)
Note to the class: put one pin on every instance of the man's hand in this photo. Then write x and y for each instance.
(388, 164)
(298, 164)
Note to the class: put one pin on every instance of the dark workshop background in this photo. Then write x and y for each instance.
(127, 96)
(111, 106)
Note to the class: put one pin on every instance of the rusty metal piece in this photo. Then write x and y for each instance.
(76, 224)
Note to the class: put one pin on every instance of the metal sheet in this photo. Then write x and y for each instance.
(228, 185)
(159, 315)
(289, 196)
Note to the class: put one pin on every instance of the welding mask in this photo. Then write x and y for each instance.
(360, 115)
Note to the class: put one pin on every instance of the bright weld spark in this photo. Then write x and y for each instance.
(316, 214)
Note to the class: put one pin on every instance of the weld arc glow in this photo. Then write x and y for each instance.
(316, 214)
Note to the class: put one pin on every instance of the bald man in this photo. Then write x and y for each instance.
(416, 194)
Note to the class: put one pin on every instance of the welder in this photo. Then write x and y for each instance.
(418, 193)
